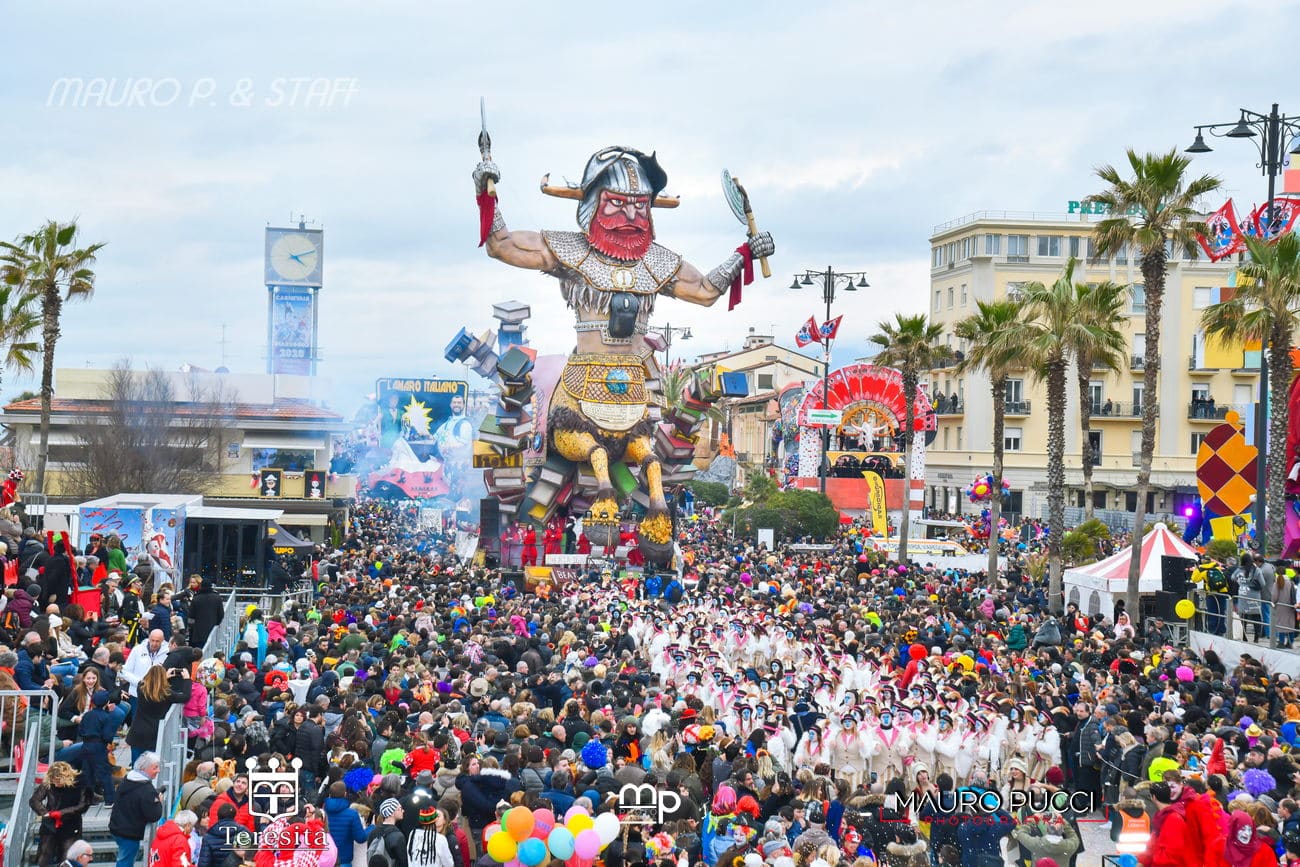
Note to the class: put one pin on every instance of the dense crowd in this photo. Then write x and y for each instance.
(811, 706)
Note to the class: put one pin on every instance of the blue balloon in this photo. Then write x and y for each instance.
(531, 852)
(560, 842)
(1128, 859)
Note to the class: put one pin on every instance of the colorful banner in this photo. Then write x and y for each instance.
(1273, 222)
(425, 439)
(808, 333)
(1223, 235)
(293, 327)
(830, 328)
(876, 489)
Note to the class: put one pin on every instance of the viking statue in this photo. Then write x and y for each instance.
(611, 273)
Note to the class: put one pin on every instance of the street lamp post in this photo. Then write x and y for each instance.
(1272, 131)
(668, 330)
(829, 280)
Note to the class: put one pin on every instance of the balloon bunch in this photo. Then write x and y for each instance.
(981, 490)
(527, 838)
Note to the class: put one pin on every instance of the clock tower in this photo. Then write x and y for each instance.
(294, 266)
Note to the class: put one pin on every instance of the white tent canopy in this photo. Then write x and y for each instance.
(1095, 587)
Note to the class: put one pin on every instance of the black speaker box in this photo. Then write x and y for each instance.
(1175, 574)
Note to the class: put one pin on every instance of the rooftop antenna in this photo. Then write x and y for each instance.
(223, 343)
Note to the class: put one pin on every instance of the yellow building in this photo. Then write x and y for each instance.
(275, 423)
(988, 255)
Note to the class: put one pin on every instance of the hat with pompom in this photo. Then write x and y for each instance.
(594, 755)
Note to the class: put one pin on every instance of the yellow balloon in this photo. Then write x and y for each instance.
(502, 847)
(580, 823)
(1185, 608)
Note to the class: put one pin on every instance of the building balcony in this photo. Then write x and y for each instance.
(949, 406)
(1137, 362)
(1209, 412)
(1016, 407)
(1116, 410)
(1197, 369)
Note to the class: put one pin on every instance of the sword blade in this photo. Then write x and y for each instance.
(484, 140)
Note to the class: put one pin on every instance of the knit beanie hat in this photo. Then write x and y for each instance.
(389, 807)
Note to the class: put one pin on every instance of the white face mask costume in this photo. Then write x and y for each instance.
(1244, 835)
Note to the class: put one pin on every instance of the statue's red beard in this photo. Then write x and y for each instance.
(616, 236)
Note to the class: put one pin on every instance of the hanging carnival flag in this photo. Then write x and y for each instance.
(830, 328)
(1223, 235)
(808, 333)
(1272, 222)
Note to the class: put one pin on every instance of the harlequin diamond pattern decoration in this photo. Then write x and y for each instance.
(1225, 469)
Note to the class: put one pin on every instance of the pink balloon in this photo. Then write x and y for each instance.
(575, 810)
(543, 820)
(587, 844)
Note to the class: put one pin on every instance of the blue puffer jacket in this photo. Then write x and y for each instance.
(345, 827)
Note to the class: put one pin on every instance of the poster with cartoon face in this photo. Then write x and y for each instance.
(313, 484)
(270, 483)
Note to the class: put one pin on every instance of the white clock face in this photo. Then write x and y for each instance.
(294, 256)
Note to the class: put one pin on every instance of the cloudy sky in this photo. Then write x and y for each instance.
(855, 126)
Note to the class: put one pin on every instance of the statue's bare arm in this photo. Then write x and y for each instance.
(521, 249)
(690, 285)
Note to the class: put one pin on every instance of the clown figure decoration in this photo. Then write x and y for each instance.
(611, 273)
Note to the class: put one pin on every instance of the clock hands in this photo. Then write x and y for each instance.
(297, 257)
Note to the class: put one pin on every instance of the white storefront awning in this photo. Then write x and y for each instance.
(284, 441)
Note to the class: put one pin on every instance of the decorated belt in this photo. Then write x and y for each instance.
(617, 380)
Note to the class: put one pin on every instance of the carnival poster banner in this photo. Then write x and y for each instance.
(425, 438)
(125, 523)
(1223, 235)
(292, 330)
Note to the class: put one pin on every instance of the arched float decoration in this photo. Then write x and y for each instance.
(859, 385)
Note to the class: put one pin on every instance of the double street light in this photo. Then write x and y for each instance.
(830, 280)
(1275, 137)
(668, 330)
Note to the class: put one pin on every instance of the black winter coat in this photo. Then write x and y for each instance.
(138, 805)
(309, 745)
(206, 612)
(481, 792)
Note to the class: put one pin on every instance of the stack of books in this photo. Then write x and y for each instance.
(552, 487)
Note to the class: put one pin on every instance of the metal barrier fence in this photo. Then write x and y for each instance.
(173, 743)
(28, 738)
(268, 602)
(1219, 614)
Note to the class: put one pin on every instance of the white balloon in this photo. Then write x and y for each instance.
(607, 826)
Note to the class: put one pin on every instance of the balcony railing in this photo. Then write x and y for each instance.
(1017, 407)
(1116, 409)
(949, 406)
(1137, 362)
(1205, 411)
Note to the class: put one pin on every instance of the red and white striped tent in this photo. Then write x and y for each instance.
(1094, 587)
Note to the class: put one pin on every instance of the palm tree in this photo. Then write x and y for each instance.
(911, 344)
(1101, 304)
(18, 323)
(1047, 339)
(1161, 200)
(991, 347)
(1264, 308)
(48, 264)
